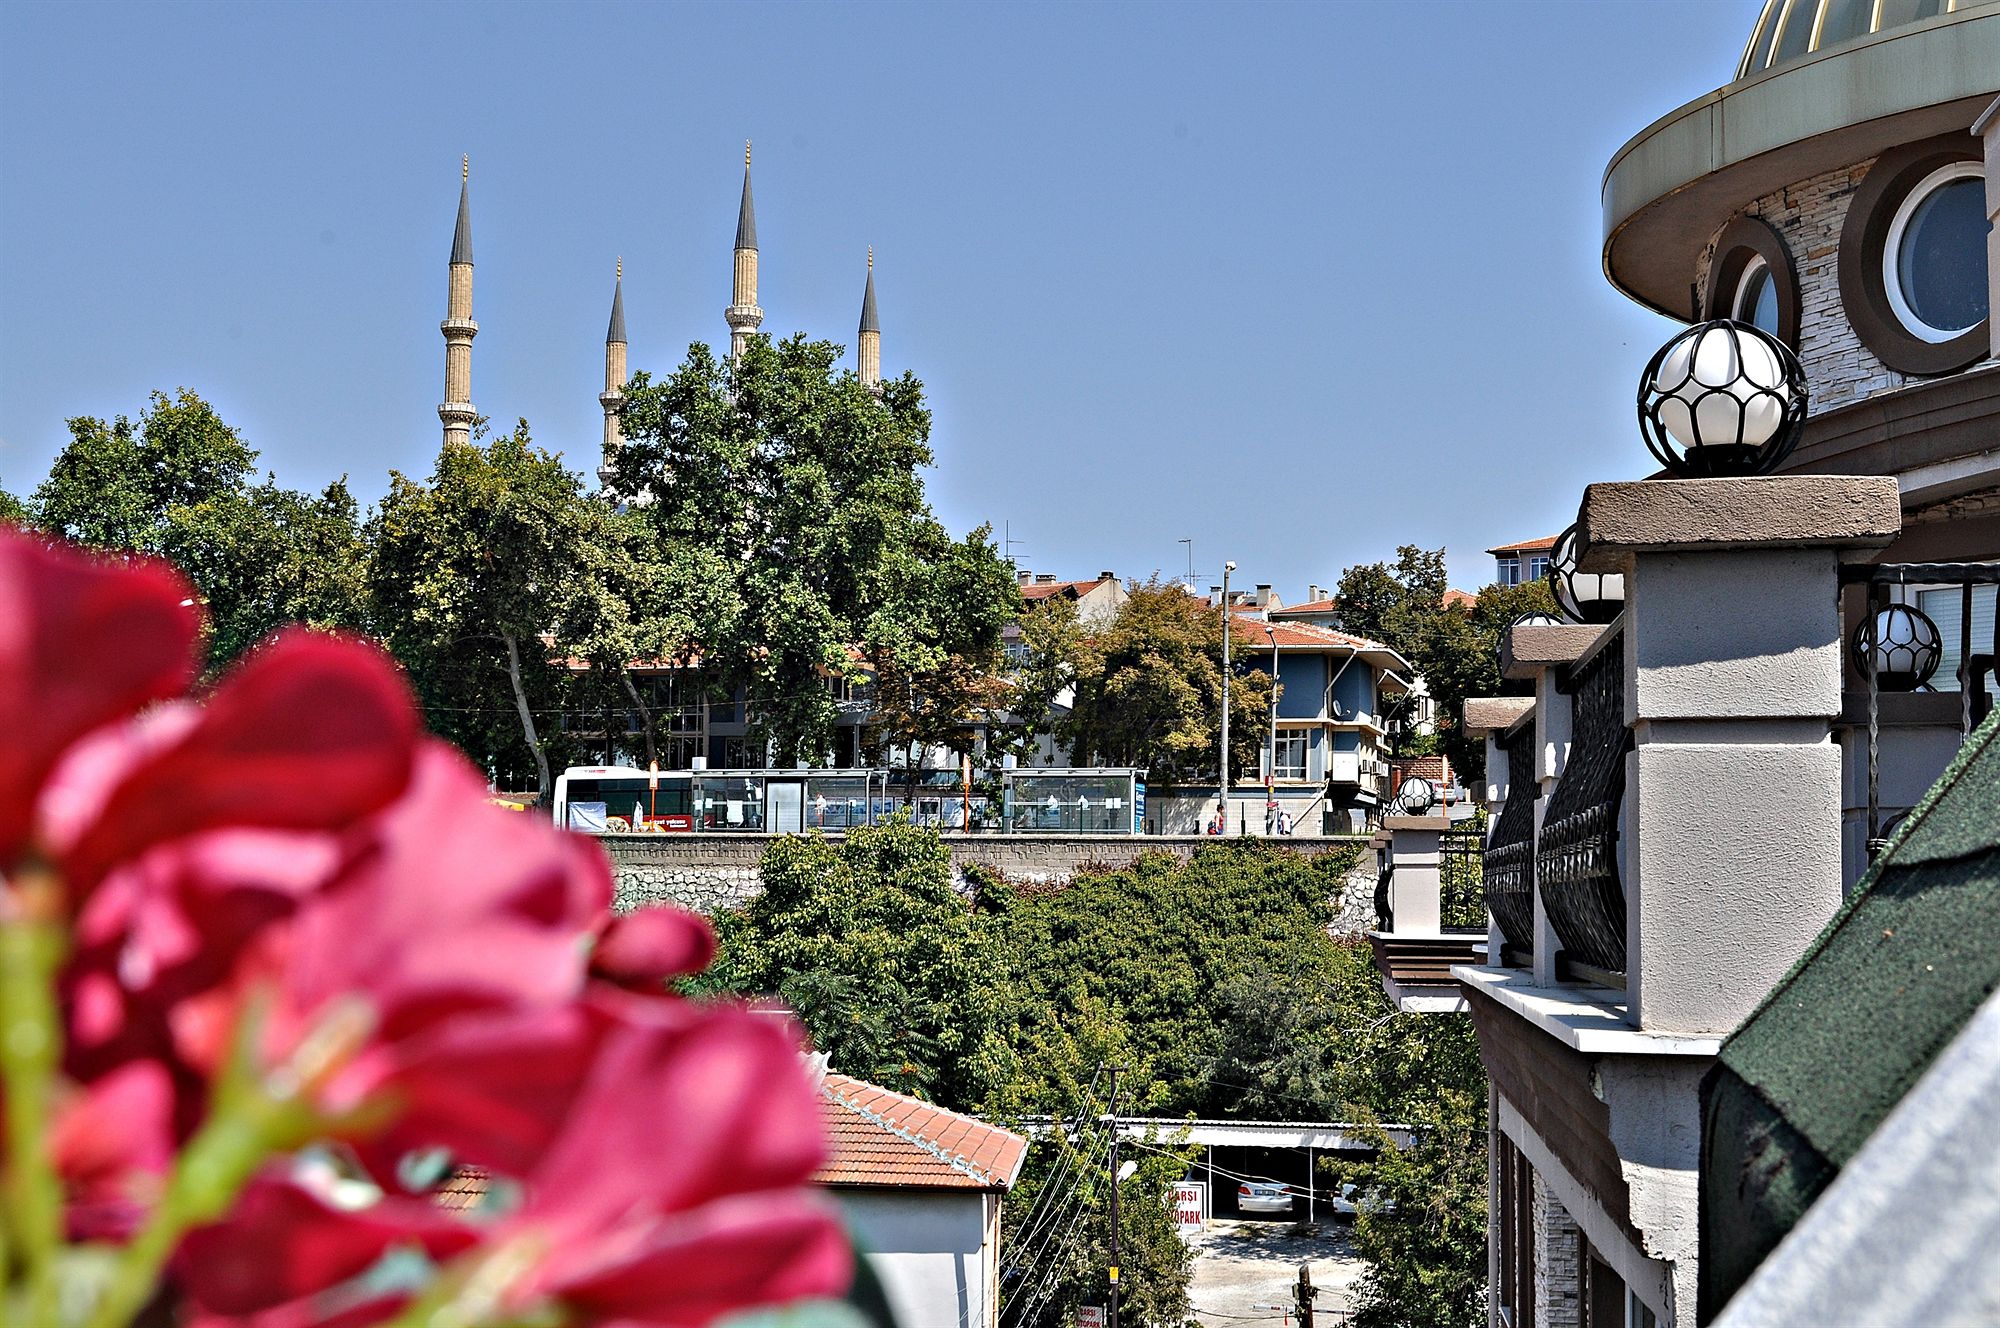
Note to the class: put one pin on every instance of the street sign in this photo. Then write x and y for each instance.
(1090, 1316)
(1190, 1208)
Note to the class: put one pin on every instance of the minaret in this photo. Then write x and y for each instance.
(743, 315)
(457, 412)
(869, 348)
(613, 395)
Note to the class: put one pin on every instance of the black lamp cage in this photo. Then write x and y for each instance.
(1900, 646)
(1722, 399)
(1535, 618)
(1415, 796)
(1584, 597)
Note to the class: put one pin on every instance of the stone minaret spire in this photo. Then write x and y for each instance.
(869, 349)
(613, 395)
(743, 315)
(457, 411)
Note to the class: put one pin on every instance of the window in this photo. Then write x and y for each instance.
(1509, 571)
(1934, 260)
(1291, 750)
(1946, 608)
(1538, 567)
(1756, 301)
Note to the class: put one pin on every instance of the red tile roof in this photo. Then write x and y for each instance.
(462, 1191)
(1528, 546)
(1312, 606)
(1045, 589)
(1459, 598)
(1302, 636)
(883, 1138)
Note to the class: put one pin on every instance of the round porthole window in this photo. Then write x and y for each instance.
(1934, 256)
(1756, 300)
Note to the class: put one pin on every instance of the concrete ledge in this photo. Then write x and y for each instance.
(1527, 650)
(1583, 1019)
(1765, 512)
(1434, 823)
(1495, 714)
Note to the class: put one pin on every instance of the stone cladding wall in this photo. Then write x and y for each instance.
(1558, 1263)
(1809, 216)
(711, 872)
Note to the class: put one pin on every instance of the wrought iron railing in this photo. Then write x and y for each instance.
(1576, 864)
(1967, 637)
(1461, 858)
(1507, 870)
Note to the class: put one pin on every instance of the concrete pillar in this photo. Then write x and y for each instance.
(1733, 665)
(1535, 654)
(1558, 1263)
(1416, 888)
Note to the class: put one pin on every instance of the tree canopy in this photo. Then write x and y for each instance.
(1456, 650)
(793, 492)
(1149, 691)
(477, 575)
(177, 484)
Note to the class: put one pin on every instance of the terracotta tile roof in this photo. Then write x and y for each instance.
(1045, 589)
(1527, 546)
(462, 1191)
(1302, 636)
(883, 1138)
(1311, 606)
(1459, 598)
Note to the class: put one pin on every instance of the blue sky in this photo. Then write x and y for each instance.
(1299, 282)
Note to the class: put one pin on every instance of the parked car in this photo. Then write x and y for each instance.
(1263, 1196)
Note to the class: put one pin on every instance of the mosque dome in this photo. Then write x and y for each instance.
(1789, 30)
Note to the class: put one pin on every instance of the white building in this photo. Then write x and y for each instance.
(921, 1187)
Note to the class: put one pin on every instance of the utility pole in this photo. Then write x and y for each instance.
(1271, 763)
(1223, 800)
(1305, 1292)
(1114, 1194)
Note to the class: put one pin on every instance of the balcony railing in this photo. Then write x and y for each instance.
(1508, 869)
(1461, 864)
(1576, 866)
(1960, 600)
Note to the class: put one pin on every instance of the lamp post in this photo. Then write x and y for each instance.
(1271, 763)
(1222, 798)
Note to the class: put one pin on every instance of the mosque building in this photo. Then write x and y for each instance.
(744, 317)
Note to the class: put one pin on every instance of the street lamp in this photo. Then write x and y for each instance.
(1584, 597)
(1416, 796)
(1271, 765)
(1721, 399)
(1222, 798)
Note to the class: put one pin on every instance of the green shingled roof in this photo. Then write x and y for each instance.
(1838, 1042)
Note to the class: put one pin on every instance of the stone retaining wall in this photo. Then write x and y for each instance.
(709, 872)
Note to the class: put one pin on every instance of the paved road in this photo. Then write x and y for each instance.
(1244, 1269)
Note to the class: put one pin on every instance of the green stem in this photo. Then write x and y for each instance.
(31, 950)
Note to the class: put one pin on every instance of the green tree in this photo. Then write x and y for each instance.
(263, 555)
(935, 641)
(888, 966)
(176, 485)
(798, 489)
(476, 578)
(113, 486)
(13, 509)
(1454, 649)
(1149, 691)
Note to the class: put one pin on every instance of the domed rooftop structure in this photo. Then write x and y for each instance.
(1790, 30)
